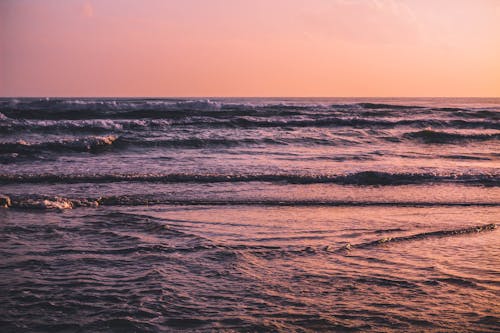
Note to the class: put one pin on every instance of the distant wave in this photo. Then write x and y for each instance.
(97, 144)
(466, 157)
(85, 144)
(347, 122)
(137, 108)
(100, 144)
(431, 136)
(364, 178)
(243, 120)
(388, 106)
(449, 109)
(71, 126)
(71, 109)
(208, 142)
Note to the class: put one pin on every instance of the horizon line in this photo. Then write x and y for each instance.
(227, 97)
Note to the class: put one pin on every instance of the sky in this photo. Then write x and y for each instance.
(296, 48)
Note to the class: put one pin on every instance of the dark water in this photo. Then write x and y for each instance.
(298, 215)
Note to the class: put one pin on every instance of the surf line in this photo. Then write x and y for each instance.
(420, 236)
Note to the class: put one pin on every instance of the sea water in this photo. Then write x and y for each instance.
(249, 214)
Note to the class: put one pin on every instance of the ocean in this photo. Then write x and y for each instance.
(249, 215)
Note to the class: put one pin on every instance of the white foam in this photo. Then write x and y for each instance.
(55, 203)
(205, 105)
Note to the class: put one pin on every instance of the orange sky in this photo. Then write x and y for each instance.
(250, 48)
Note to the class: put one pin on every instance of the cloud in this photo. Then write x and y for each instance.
(88, 9)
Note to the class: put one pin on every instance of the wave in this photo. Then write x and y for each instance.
(164, 108)
(424, 235)
(230, 121)
(226, 142)
(126, 109)
(458, 123)
(12, 151)
(196, 142)
(431, 136)
(32, 201)
(71, 126)
(97, 144)
(89, 144)
(37, 202)
(466, 157)
(363, 178)
(248, 122)
(491, 114)
(122, 115)
(388, 106)
(449, 109)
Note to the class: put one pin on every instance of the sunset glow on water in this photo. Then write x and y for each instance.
(249, 214)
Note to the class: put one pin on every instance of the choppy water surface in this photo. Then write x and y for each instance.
(131, 215)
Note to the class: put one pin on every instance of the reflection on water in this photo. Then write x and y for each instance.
(249, 215)
(248, 269)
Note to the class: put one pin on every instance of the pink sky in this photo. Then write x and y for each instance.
(250, 48)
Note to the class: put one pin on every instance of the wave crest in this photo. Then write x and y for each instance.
(32, 201)
(88, 144)
(363, 178)
(424, 235)
(431, 136)
(44, 202)
(388, 106)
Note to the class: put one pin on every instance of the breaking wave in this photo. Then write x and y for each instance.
(70, 126)
(175, 108)
(43, 202)
(364, 178)
(38, 202)
(89, 144)
(431, 136)
(388, 106)
(244, 119)
(134, 108)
